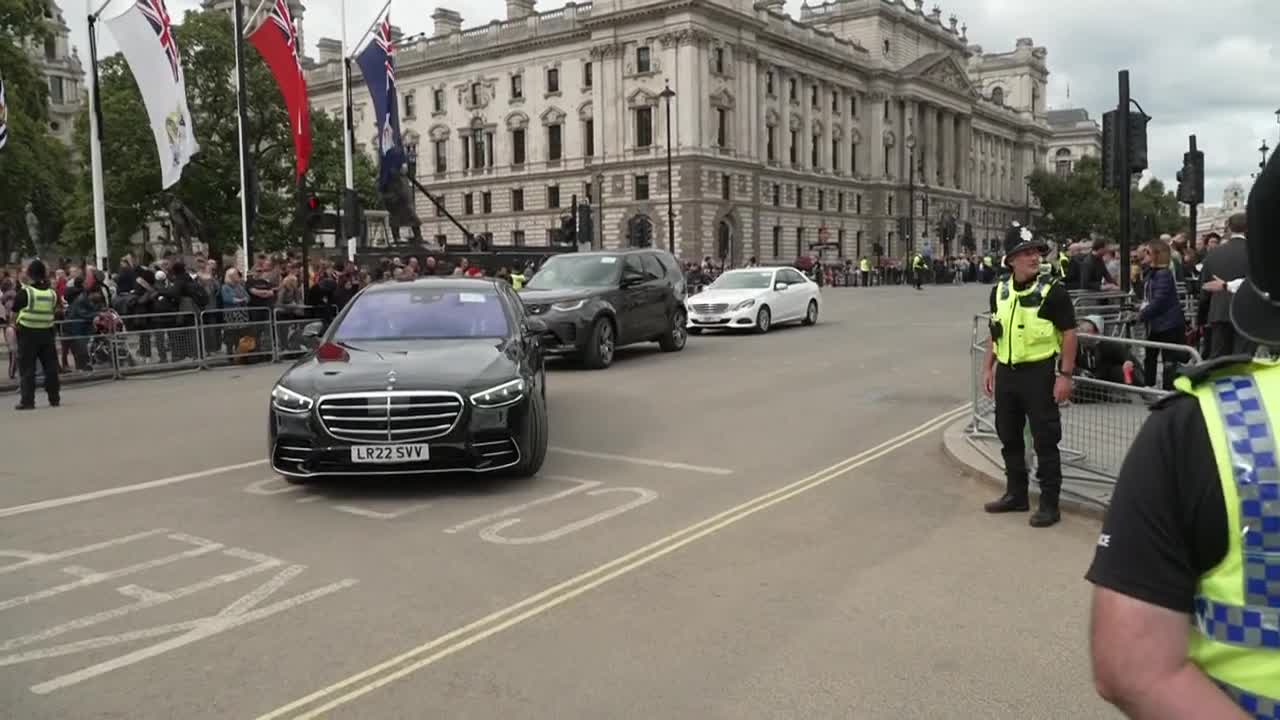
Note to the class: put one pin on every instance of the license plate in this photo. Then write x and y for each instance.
(389, 453)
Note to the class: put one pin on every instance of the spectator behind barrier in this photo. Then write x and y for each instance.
(1101, 360)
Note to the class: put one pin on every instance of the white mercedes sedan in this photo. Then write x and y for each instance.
(755, 299)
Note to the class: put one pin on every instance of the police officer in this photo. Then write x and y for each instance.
(917, 269)
(1028, 369)
(864, 271)
(1194, 525)
(35, 305)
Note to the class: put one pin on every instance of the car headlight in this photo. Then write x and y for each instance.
(288, 401)
(569, 305)
(743, 305)
(500, 395)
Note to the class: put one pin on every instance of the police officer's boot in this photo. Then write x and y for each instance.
(1010, 502)
(1047, 514)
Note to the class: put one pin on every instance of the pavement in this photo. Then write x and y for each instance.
(759, 526)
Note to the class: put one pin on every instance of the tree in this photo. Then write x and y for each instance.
(1076, 205)
(34, 165)
(210, 185)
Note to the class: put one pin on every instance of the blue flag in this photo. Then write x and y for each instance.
(377, 65)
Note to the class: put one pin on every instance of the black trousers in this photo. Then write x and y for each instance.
(1025, 393)
(36, 345)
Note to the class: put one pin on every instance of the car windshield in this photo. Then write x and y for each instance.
(565, 272)
(424, 313)
(747, 280)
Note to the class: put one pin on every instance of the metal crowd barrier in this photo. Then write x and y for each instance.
(1099, 422)
(112, 347)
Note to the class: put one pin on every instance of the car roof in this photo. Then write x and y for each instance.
(620, 251)
(443, 282)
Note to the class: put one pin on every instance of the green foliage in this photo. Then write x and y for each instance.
(210, 185)
(1076, 205)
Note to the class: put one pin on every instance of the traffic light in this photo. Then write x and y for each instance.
(1191, 178)
(586, 228)
(904, 229)
(1114, 172)
(352, 214)
(567, 234)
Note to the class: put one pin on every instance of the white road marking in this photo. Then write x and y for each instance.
(123, 489)
(308, 499)
(644, 496)
(377, 515)
(263, 487)
(581, 485)
(643, 461)
(42, 558)
(203, 548)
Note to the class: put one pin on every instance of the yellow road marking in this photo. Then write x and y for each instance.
(563, 592)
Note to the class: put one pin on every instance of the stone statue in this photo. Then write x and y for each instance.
(397, 198)
(185, 224)
(33, 229)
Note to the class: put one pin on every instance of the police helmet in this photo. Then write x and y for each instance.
(1019, 238)
(1255, 309)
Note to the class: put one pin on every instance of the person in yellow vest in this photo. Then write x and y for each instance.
(1186, 573)
(517, 279)
(1028, 369)
(864, 270)
(35, 305)
(917, 270)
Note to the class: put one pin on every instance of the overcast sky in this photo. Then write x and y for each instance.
(1197, 66)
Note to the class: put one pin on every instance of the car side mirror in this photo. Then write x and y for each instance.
(311, 333)
(781, 286)
(535, 327)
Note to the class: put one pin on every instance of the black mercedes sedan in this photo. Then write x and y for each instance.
(432, 376)
(595, 302)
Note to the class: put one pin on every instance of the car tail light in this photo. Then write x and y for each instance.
(332, 352)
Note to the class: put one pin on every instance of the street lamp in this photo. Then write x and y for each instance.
(1278, 116)
(1027, 179)
(600, 208)
(1263, 149)
(667, 93)
(911, 191)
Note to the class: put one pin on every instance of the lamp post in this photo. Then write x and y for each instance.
(600, 209)
(1278, 120)
(911, 191)
(666, 94)
(1263, 149)
(1027, 179)
(411, 161)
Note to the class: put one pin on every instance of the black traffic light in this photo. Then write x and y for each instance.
(567, 234)
(352, 214)
(904, 229)
(1191, 178)
(1114, 174)
(586, 228)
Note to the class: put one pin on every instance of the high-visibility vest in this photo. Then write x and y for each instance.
(1024, 336)
(917, 262)
(1064, 264)
(517, 280)
(38, 313)
(1235, 639)
(864, 265)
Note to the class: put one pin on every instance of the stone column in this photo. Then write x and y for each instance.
(964, 152)
(931, 145)
(860, 123)
(875, 133)
(806, 124)
(759, 109)
(949, 149)
(897, 158)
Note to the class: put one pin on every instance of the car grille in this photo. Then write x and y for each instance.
(710, 309)
(398, 416)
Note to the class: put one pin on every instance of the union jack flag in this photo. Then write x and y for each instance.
(158, 16)
(388, 46)
(283, 20)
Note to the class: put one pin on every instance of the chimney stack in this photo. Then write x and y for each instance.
(329, 50)
(448, 22)
(518, 9)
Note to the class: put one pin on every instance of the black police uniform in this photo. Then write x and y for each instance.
(36, 345)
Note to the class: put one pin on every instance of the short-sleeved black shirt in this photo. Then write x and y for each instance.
(1056, 308)
(1167, 525)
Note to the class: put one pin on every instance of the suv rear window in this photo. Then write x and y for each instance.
(668, 262)
(652, 266)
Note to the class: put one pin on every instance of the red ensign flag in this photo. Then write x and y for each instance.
(277, 41)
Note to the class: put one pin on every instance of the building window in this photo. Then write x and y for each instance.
(50, 49)
(466, 153)
(517, 146)
(857, 203)
(553, 80)
(553, 235)
(719, 60)
(55, 90)
(835, 155)
(771, 145)
(857, 239)
(441, 150)
(997, 96)
(722, 127)
(840, 203)
(643, 64)
(437, 100)
(840, 243)
(517, 86)
(799, 198)
(440, 206)
(468, 204)
(441, 240)
(481, 141)
(853, 106)
(589, 192)
(835, 101)
(1064, 168)
(768, 83)
(726, 187)
(410, 106)
(588, 78)
(777, 194)
(853, 158)
(555, 149)
(777, 241)
(822, 200)
(486, 202)
(589, 137)
(793, 91)
(642, 187)
(815, 152)
(886, 47)
(795, 148)
(517, 238)
(644, 127)
(553, 196)
(888, 155)
(890, 204)
(517, 200)
(799, 242)
(816, 93)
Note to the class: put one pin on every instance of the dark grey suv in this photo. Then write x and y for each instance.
(596, 302)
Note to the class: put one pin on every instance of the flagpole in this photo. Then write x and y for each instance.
(241, 102)
(374, 24)
(95, 148)
(348, 164)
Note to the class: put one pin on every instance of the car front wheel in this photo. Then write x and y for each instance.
(811, 316)
(533, 443)
(597, 354)
(764, 320)
(677, 334)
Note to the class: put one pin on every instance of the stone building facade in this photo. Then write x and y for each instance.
(1075, 135)
(784, 132)
(59, 63)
